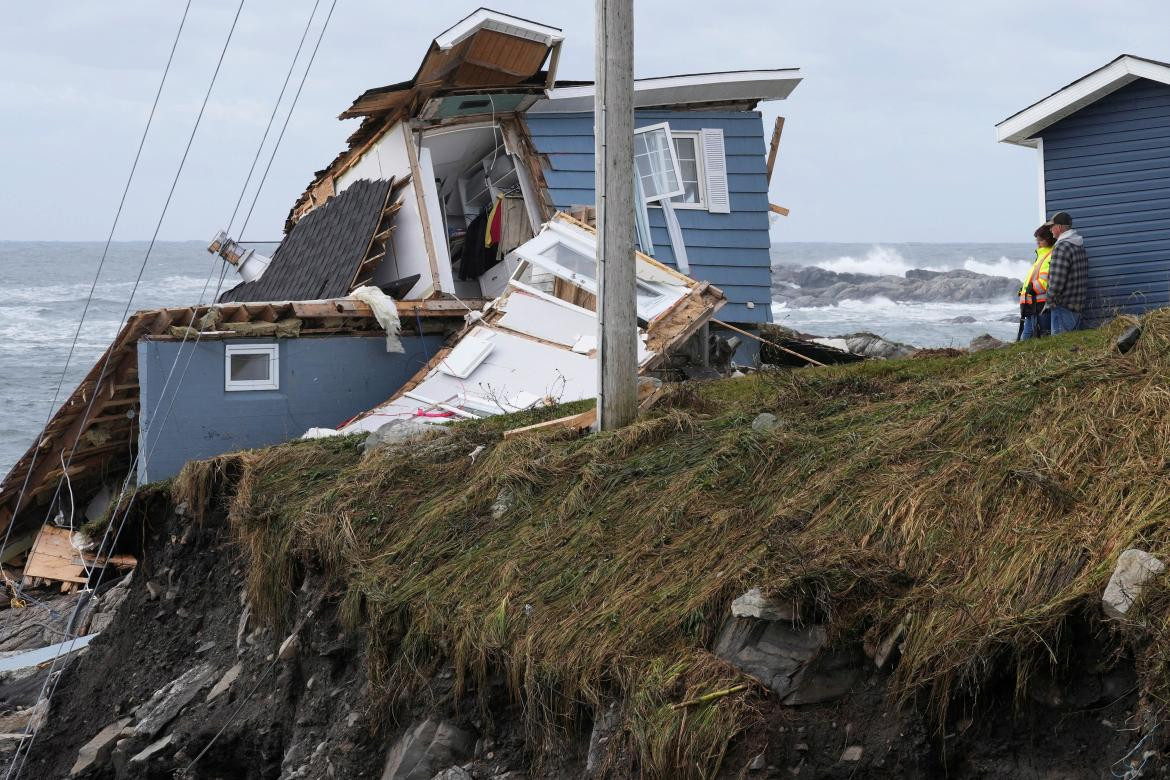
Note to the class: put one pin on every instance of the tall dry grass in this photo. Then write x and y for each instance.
(983, 499)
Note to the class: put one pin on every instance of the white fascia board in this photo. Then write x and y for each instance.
(1022, 128)
(487, 19)
(725, 87)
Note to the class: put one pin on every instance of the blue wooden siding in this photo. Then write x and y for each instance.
(729, 250)
(1108, 165)
(324, 381)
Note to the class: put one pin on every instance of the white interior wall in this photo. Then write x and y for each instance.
(388, 157)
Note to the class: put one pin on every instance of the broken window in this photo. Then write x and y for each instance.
(656, 163)
(251, 367)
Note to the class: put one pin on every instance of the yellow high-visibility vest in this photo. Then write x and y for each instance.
(1035, 286)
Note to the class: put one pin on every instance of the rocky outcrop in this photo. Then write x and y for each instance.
(806, 286)
(427, 749)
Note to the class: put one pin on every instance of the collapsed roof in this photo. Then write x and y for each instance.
(537, 343)
(485, 50)
(96, 429)
(324, 253)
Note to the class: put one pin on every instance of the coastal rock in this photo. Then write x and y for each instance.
(869, 345)
(804, 287)
(397, 432)
(1134, 568)
(96, 752)
(765, 421)
(986, 341)
(168, 701)
(793, 661)
(427, 749)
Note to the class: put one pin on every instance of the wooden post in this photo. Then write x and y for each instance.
(613, 111)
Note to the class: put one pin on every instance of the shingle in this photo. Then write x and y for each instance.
(319, 258)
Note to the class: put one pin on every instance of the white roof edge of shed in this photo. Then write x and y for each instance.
(728, 86)
(1022, 127)
(487, 19)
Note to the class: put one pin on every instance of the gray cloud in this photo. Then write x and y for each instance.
(889, 138)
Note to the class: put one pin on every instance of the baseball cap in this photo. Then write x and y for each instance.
(1060, 218)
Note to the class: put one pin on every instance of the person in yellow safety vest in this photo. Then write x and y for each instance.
(1034, 290)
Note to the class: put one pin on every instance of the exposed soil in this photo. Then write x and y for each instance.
(310, 714)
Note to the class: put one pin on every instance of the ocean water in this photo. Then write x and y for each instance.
(45, 287)
(923, 324)
(46, 284)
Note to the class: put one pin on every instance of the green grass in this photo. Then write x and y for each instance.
(984, 497)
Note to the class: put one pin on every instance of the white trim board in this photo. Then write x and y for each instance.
(487, 19)
(730, 86)
(1021, 128)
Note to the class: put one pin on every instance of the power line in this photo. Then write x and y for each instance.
(98, 273)
(129, 504)
(25, 746)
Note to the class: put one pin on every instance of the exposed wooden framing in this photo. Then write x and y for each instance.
(379, 244)
(529, 173)
(114, 389)
(774, 147)
(416, 177)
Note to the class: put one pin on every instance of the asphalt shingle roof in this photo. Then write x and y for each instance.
(319, 257)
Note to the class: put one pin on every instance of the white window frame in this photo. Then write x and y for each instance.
(236, 385)
(700, 164)
(664, 127)
(657, 295)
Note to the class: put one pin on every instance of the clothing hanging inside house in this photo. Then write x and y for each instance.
(477, 255)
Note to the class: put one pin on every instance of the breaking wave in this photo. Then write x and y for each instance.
(887, 261)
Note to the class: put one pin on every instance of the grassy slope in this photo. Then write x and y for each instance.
(985, 497)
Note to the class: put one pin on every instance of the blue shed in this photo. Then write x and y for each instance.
(1104, 155)
(720, 140)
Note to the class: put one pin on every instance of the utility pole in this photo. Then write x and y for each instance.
(617, 316)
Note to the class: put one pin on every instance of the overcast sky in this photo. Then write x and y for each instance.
(889, 138)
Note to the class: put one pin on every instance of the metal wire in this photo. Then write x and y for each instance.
(98, 273)
(22, 750)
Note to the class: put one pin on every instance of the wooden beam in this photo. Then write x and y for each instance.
(775, 146)
(416, 177)
(778, 209)
(575, 421)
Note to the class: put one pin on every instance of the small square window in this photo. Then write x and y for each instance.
(251, 367)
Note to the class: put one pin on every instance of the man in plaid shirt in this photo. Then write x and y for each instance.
(1068, 274)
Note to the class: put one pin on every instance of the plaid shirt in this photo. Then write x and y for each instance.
(1068, 277)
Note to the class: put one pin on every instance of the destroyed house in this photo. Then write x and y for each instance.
(442, 267)
(1103, 148)
(491, 142)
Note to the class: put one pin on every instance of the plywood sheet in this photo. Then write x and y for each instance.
(52, 557)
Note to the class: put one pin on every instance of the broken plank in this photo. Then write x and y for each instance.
(573, 421)
(778, 209)
(774, 147)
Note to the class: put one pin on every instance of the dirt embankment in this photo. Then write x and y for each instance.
(244, 709)
(930, 540)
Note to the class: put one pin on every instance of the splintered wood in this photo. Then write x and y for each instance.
(53, 559)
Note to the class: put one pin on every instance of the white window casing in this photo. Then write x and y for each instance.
(688, 147)
(251, 367)
(656, 162)
(715, 166)
(571, 254)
